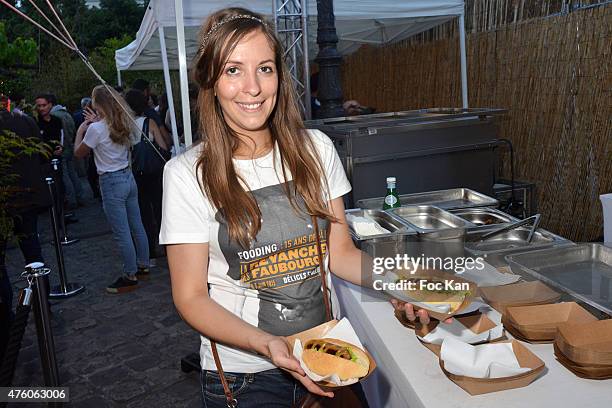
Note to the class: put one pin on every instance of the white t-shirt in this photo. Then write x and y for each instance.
(108, 155)
(275, 284)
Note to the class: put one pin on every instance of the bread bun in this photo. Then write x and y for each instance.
(332, 356)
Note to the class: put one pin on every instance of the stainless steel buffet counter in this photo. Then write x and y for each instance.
(583, 272)
(428, 149)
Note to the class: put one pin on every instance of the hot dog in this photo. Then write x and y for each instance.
(331, 356)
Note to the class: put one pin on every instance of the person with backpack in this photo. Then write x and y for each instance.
(148, 160)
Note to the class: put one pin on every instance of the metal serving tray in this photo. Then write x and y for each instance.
(583, 271)
(427, 218)
(419, 115)
(399, 240)
(439, 233)
(445, 199)
(495, 249)
(384, 219)
(484, 217)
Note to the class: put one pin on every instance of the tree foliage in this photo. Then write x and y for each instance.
(20, 51)
(12, 147)
(98, 31)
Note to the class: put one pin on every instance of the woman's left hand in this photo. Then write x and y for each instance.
(90, 116)
(412, 315)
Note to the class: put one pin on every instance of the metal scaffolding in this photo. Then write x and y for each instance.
(291, 25)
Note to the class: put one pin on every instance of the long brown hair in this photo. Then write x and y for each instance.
(298, 156)
(117, 113)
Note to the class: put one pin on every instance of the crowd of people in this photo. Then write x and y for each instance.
(103, 138)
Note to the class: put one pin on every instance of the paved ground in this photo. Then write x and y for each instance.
(112, 350)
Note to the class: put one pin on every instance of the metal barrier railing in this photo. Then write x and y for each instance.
(65, 289)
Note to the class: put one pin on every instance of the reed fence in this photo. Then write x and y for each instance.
(552, 73)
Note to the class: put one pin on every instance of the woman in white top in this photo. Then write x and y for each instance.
(238, 215)
(110, 134)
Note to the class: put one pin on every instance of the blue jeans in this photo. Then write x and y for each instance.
(72, 183)
(120, 202)
(270, 388)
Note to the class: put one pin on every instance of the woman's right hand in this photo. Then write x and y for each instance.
(282, 357)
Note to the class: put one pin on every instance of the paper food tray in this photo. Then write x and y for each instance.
(440, 313)
(589, 372)
(527, 338)
(477, 323)
(319, 332)
(518, 294)
(540, 322)
(472, 308)
(476, 386)
(586, 344)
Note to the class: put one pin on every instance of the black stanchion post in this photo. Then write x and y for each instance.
(64, 289)
(55, 163)
(35, 274)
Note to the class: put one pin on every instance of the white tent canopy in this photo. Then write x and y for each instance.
(358, 22)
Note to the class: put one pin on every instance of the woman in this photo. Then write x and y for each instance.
(236, 207)
(149, 183)
(110, 134)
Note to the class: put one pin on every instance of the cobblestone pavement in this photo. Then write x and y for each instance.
(112, 350)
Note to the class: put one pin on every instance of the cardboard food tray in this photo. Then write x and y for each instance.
(586, 344)
(404, 296)
(401, 317)
(477, 386)
(518, 294)
(593, 373)
(540, 322)
(529, 337)
(548, 317)
(318, 332)
(477, 322)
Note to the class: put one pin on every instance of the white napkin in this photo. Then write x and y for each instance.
(445, 307)
(342, 331)
(495, 360)
(365, 226)
(459, 332)
(489, 276)
(476, 304)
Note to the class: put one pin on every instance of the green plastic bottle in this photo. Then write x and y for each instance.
(391, 198)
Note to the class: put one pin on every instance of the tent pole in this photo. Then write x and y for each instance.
(464, 81)
(180, 40)
(162, 45)
(119, 77)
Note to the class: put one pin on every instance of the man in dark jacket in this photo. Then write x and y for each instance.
(51, 129)
(24, 207)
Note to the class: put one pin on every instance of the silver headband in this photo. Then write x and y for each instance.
(216, 26)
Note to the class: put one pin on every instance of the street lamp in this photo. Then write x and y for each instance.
(329, 60)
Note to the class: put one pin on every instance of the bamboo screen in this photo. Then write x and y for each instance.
(553, 75)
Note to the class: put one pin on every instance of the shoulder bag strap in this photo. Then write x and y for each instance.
(145, 128)
(322, 270)
(229, 397)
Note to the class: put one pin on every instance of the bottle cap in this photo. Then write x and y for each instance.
(390, 179)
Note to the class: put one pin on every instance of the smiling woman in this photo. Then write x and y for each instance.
(247, 216)
(247, 89)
